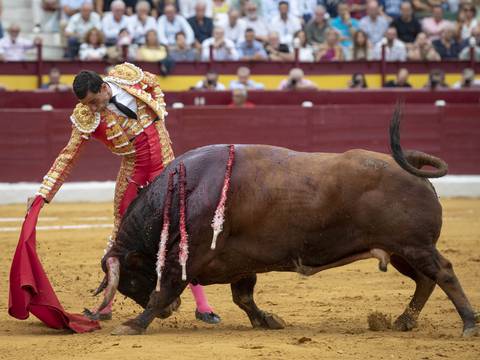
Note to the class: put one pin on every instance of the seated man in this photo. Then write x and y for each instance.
(219, 47)
(78, 25)
(296, 81)
(140, 23)
(170, 23)
(251, 49)
(201, 25)
(13, 47)
(114, 21)
(345, 25)
(54, 83)
(243, 80)
(210, 82)
(239, 99)
(126, 112)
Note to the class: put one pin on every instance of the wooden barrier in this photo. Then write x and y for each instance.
(31, 139)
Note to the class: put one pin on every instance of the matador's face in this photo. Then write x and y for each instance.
(98, 102)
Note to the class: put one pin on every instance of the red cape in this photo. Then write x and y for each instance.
(30, 290)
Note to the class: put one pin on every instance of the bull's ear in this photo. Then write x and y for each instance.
(134, 259)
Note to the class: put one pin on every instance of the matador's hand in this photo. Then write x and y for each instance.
(30, 202)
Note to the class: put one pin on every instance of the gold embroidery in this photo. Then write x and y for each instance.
(125, 74)
(84, 120)
(126, 171)
(62, 166)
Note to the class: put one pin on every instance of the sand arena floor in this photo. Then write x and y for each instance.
(326, 314)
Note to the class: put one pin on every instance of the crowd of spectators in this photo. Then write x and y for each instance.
(320, 30)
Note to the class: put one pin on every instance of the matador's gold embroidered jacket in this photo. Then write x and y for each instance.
(112, 129)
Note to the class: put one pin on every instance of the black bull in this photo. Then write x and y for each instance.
(286, 211)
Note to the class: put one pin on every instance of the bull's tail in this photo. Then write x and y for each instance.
(411, 160)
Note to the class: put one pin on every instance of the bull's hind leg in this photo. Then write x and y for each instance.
(433, 265)
(242, 293)
(424, 288)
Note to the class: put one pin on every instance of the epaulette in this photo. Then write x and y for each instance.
(84, 120)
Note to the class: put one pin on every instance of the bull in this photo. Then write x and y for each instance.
(286, 211)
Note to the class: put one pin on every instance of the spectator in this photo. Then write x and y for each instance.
(270, 8)
(423, 8)
(114, 21)
(468, 80)
(305, 51)
(344, 24)
(233, 26)
(435, 24)
(70, 8)
(447, 46)
(357, 8)
(307, 9)
(222, 49)
(1, 31)
(187, 7)
(141, 22)
(297, 81)
(401, 81)
(170, 23)
(358, 81)
(123, 50)
(317, 27)
(210, 82)
(241, 6)
(253, 21)
(77, 27)
(243, 80)
(407, 25)
(391, 8)
(436, 80)
(219, 11)
(422, 50)
(251, 49)
(395, 49)
(466, 20)
(201, 25)
(181, 51)
(361, 48)
(474, 42)
(94, 46)
(54, 83)
(13, 47)
(239, 99)
(45, 16)
(285, 24)
(277, 51)
(103, 6)
(152, 50)
(332, 7)
(331, 49)
(374, 23)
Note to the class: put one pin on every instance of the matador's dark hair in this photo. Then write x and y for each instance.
(86, 81)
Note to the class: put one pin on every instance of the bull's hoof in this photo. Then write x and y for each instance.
(270, 322)
(128, 330)
(404, 323)
(470, 332)
(168, 311)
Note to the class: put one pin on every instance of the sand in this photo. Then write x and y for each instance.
(326, 314)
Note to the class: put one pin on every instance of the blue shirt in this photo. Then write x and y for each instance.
(246, 50)
(338, 24)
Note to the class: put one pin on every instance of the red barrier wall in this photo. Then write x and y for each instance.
(31, 139)
(66, 100)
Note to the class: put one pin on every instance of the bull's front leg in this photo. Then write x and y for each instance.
(160, 302)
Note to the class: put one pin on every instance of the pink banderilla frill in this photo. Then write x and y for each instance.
(183, 248)
(219, 217)
(162, 249)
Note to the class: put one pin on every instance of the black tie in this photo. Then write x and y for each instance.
(124, 109)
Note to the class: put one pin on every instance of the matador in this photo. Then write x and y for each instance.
(126, 112)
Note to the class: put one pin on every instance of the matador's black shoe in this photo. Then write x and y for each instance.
(207, 317)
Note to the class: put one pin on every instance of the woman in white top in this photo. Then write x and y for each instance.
(305, 51)
(94, 46)
(466, 20)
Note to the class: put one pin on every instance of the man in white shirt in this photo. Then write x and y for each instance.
(270, 8)
(243, 81)
(77, 27)
(13, 47)
(395, 49)
(170, 23)
(253, 21)
(140, 23)
(374, 23)
(233, 27)
(187, 8)
(285, 24)
(222, 49)
(114, 21)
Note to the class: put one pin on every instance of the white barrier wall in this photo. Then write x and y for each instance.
(12, 193)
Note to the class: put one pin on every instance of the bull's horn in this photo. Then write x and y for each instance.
(113, 271)
(102, 286)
